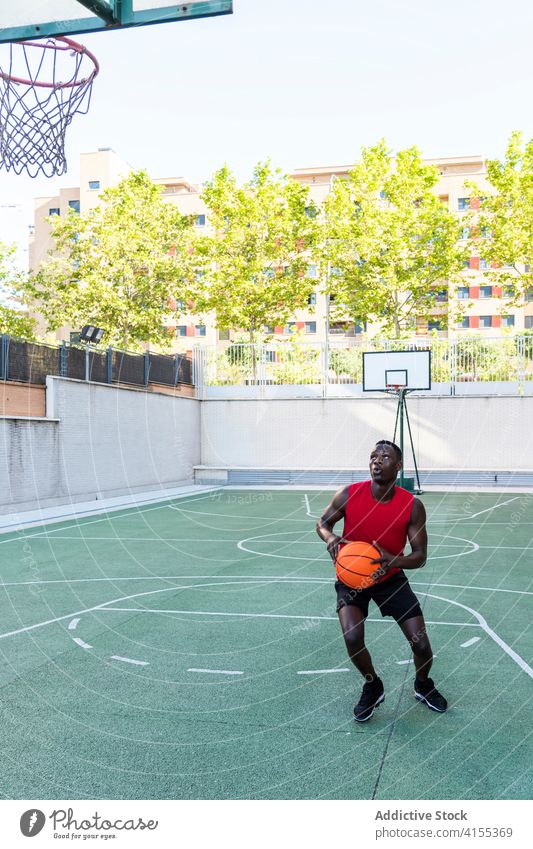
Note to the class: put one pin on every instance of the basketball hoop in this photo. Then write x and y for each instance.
(43, 84)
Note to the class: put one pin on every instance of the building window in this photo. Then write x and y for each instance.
(529, 295)
(270, 356)
(290, 327)
(268, 328)
(269, 273)
(181, 330)
(508, 292)
(434, 325)
(94, 184)
(223, 334)
(462, 292)
(527, 268)
(463, 203)
(383, 195)
(528, 322)
(180, 304)
(310, 326)
(310, 211)
(483, 263)
(199, 220)
(485, 291)
(465, 232)
(485, 321)
(360, 327)
(54, 210)
(441, 296)
(312, 272)
(311, 300)
(464, 322)
(200, 330)
(75, 205)
(338, 327)
(508, 321)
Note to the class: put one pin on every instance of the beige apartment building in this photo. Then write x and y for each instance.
(485, 305)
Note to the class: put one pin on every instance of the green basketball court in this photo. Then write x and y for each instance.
(190, 649)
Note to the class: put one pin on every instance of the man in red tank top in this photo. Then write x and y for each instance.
(381, 513)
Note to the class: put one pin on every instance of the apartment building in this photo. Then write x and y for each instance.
(486, 307)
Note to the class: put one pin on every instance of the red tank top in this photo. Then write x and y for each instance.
(386, 522)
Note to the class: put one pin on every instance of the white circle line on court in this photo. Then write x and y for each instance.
(241, 545)
(217, 671)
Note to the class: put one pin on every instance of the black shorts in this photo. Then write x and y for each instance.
(394, 597)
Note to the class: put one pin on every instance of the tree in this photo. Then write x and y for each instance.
(390, 242)
(13, 320)
(118, 267)
(252, 266)
(503, 231)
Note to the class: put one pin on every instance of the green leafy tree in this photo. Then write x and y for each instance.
(14, 321)
(502, 231)
(119, 267)
(252, 266)
(391, 244)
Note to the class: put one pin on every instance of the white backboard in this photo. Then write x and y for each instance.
(408, 369)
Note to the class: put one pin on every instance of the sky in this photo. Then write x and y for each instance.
(304, 83)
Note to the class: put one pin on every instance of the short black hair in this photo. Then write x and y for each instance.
(397, 448)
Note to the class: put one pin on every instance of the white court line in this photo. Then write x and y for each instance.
(72, 625)
(22, 537)
(280, 578)
(492, 634)
(470, 642)
(263, 615)
(129, 660)
(217, 671)
(320, 671)
(402, 662)
(480, 513)
(481, 620)
(80, 642)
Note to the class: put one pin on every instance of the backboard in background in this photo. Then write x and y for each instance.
(29, 19)
(408, 370)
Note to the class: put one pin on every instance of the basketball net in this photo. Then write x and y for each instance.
(43, 84)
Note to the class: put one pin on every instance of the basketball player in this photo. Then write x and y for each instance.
(383, 514)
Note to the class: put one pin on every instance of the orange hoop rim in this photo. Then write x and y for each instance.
(51, 44)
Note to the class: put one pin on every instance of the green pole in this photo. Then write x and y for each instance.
(401, 432)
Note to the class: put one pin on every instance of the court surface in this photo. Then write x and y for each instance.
(190, 649)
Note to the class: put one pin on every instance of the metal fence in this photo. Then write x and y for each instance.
(502, 365)
(31, 362)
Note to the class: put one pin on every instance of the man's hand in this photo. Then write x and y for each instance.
(333, 546)
(386, 562)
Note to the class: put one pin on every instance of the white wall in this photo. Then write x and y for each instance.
(448, 432)
(104, 441)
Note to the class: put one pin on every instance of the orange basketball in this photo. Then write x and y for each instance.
(354, 564)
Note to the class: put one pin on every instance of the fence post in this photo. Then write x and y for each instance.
(63, 360)
(4, 357)
(146, 367)
(452, 354)
(109, 364)
(177, 360)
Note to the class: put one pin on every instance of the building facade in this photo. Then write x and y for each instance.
(486, 306)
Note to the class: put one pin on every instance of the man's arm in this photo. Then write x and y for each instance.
(418, 540)
(334, 512)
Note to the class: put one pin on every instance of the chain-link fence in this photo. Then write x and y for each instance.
(31, 362)
(492, 365)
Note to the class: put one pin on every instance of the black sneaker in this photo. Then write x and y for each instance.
(373, 694)
(425, 692)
